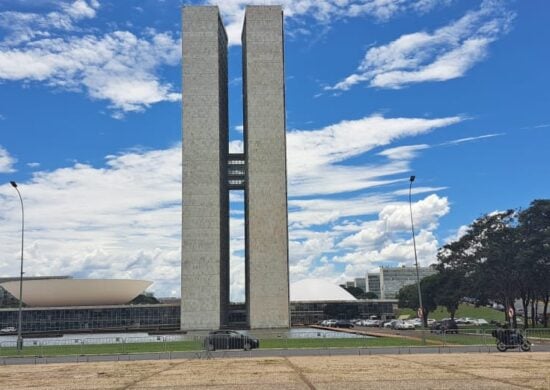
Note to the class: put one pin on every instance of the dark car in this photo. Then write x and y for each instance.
(229, 339)
(444, 326)
(343, 324)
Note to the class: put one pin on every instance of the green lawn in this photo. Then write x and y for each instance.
(338, 342)
(197, 346)
(464, 310)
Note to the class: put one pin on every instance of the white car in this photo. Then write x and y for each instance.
(480, 321)
(9, 329)
(330, 323)
(403, 325)
(390, 324)
(416, 322)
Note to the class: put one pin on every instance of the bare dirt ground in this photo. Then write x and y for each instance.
(453, 371)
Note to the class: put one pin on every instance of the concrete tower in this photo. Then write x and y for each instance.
(210, 172)
(266, 223)
(205, 231)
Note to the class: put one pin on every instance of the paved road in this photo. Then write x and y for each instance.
(262, 353)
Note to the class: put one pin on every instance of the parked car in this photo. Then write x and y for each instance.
(480, 322)
(229, 339)
(444, 326)
(417, 322)
(465, 321)
(330, 323)
(373, 323)
(9, 329)
(402, 325)
(389, 324)
(343, 324)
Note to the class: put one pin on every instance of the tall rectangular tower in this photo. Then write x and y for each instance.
(266, 226)
(205, 232)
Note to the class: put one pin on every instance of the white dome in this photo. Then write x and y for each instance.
(310, 290)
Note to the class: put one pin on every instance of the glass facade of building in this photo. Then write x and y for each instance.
(308, 313)
(167, 316)
(392, 279)
(92, 318)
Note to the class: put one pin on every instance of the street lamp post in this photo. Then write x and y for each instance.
(424, 322)
(20, 318)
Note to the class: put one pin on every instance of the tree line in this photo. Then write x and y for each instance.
(503, 256)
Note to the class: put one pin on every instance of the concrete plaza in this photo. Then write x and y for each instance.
(442, 371)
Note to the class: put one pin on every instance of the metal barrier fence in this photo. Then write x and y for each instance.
(483, 339)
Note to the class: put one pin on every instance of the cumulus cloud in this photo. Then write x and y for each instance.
(444, 54)
(322, 11)
(118, 67)
(120, 220)
(6, 161)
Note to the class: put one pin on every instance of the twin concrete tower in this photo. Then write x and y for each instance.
(210, 171)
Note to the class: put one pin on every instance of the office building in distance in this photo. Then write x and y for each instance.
(392, 279)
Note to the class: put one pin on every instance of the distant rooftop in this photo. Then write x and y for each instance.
(312, 290)
(16, 278)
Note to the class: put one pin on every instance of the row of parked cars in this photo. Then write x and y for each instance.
(445, 325)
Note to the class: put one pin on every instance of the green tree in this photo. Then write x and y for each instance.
(370, 295)
(408, 296)
(357, 292)
(450, 290)
(534, 225)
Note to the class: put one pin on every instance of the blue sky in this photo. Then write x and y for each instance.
(454, 92)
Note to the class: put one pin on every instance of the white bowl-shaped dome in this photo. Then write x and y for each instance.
(309, 290)
(77, 292)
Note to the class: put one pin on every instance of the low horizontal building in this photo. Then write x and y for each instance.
(312, 301)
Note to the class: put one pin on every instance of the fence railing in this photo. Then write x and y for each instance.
(486, 339)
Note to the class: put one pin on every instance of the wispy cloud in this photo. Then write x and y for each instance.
(322, 11)
(319, 169)
(444, 54)
(6, 161)
(470, 139)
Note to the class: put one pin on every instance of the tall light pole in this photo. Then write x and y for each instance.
(20, 320)
(424, 322)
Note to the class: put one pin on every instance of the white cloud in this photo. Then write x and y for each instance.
(236, 146)
(318, 170)
(119, 67)
(403, 152)
(322, 11)
(447, 53)
(123, 219)
(25, 26)
(6, 161)
(469, 139)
